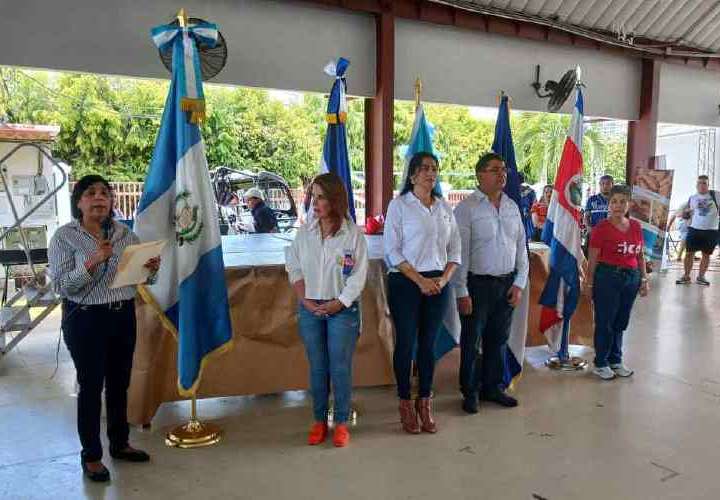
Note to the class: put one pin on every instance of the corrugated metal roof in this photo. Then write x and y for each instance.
(693, 24)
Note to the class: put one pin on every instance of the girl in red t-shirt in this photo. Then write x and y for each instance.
(616, 271)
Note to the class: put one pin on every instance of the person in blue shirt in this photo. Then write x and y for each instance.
(527, 200)
(596, 209)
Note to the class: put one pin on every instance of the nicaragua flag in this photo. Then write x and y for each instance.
(503, 145)
(562, 233)
(335, 151)
(421, 141)
(178, 205)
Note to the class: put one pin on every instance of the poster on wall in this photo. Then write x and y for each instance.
(650, 205)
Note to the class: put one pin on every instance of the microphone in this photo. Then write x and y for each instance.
(107, 226)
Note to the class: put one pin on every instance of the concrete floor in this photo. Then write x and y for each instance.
(653, 436)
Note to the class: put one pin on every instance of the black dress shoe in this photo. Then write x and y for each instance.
(470, 405)
(500, 398)
(130, 455)
(101, 476)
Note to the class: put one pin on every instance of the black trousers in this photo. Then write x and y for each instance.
(417, 318)
(489, 326)
(101, 341)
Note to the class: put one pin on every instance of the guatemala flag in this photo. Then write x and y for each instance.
(562, 233)
(335, 152)
(503, 145)
(178, 205)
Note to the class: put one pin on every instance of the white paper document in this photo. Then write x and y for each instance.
(131, 269)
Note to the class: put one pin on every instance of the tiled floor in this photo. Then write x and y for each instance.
(654, 436)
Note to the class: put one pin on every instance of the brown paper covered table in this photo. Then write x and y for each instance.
(581, 325)
(268, 355)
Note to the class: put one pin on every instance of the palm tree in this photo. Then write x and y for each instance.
(539, 142)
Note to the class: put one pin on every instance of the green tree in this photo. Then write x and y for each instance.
(110, 125)
(539, 142)
(25, 96)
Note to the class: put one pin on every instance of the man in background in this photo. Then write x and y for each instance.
(263, 216)
(703, 214)
(596, 208)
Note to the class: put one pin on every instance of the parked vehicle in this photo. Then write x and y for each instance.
(230, 185)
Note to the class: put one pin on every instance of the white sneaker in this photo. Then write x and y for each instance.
(604, 373)
(621, 370)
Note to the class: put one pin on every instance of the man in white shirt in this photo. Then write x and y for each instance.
(489, 282)
(702, 236)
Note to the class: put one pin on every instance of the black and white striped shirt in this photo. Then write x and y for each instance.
(70, 247)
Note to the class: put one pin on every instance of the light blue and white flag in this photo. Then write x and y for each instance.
(421, 141)
(178, 205)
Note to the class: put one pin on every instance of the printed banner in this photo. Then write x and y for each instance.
(650, 205)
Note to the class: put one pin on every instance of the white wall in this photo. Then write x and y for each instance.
(466, 67)
(272, 44)
(681, 153)
(689, 96)
(680, 145)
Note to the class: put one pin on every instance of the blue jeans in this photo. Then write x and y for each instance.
(329, 345)
(614, 293)
(416, 317)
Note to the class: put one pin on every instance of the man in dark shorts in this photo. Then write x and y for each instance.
(704, 217)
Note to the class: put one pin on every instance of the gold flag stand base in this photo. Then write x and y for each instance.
(571, 364)
(194, 434)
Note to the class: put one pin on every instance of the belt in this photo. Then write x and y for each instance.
(618, 269)
(109, 306)
(490, 277)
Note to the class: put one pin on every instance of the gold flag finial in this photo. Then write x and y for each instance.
(418, 91)
(182, 18)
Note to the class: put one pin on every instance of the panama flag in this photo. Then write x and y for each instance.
(178, 205)
(335, 151)
(562, 233)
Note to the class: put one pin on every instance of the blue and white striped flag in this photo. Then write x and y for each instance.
(178, 205)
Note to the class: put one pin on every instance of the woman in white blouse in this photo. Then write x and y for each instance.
(422, 249)
(327, 265)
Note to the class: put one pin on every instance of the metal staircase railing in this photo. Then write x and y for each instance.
(36, 295)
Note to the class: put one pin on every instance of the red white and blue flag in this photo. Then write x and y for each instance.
(562, 233)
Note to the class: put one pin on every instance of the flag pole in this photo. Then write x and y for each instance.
(418, 91)
(414, 374)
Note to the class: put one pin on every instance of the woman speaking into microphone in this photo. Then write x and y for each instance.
(98, 322)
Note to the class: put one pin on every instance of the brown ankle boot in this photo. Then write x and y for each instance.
(408, 417)
(424, 409)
